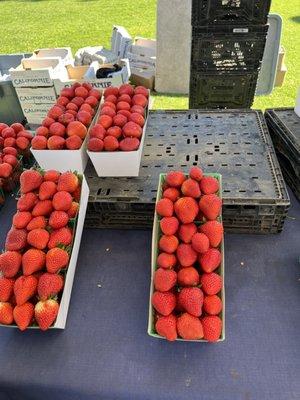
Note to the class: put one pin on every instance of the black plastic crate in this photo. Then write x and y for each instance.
(289, 174)
(234, 143)
(228, 48)
(222, 90)
(215, 12)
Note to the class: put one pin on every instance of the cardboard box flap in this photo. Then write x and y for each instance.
(61, 52)
(39, 63)
(148, 43)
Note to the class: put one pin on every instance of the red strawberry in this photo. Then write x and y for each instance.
(37, 222)
(25, 288)
(6, 313)
(210, 260)
(39, 142)
(190, 188)
(211, 283)
(47, 190)
(42, 207)
(27, 202)
(68, 182)
(212, 305)
(10, 263)
(56, 259)
(210, 205)
(214, 231)
(38, 238)
(200, 243)
(164, 303)
(58, 219)
(188, 277)
(45, 313)
(191, 300)
(209, 185)
(16, 239)
(52, 175)
(165, 260)
(30, 180)
(212, 327)
(33, 260)
(189, 327)
(73, 210)
(175, 178)
(21, 219)
(49, 285)
(62, 201)
(164, 279)
(171, 193)
(166, 327)
(169, 225)
(60, 236)
(76, 194)
(186, 232)
(196, 173)
(186, 255)
(5, 170)
(168, 244)
(23, 315)
(6, 288)
(186, 209)
(164, 208)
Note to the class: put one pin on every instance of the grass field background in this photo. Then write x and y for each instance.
(29, 24)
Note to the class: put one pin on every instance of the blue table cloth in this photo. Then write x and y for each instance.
(105, 352)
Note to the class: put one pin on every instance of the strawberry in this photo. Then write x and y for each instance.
(166, 327)
(175, 178)
(211, 283)
(22, 143)
(42, 208)
(6, 288)
(10, 263)
(186, 209)
(23, 315)
(212, 305)
(27, 202)
(209, 185)
(73, 210)
(24, 288)
(212, 327)
(58, 219)
(165, 260)
(188, 277)
(5, 170)
(169, 225)
(171, 193)
(186, 232)
(62, 201)
(76, 194)
(56, 259)
(168, 244)
(47, 190)
(33, 260)
(196, 173)
(164, 279)
(200, 242)
(214, 231)
(210, 260)
(52, 175)
(190, 188)
(186, 255)
(191, 300)
(189, 327)
(38, 238)
(21, 219)
(60, 236)
(68, 182)
(164, 208)
(37, 222)
(17, 127)
(164, 303)
(49, 285)
(30, 180)
(6, 313)
(210, 205)
(45, 313)
(16, 239)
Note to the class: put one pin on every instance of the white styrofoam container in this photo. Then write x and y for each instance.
(297, 107)
(65, 53)
(61, 319)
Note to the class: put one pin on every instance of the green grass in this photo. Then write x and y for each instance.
(30, 24)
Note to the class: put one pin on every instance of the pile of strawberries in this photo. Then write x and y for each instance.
(121, 120)
(65, 126)
(187, 283)
(38, 247)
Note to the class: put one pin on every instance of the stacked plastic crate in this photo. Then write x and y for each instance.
(228, 40)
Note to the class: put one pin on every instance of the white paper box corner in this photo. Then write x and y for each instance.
(297, 107)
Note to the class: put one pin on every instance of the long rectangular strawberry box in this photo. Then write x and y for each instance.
(60, 322)
(156, 234)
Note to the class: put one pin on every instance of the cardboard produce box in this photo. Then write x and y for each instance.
(64, 53)
(143, 77)
(120, 41)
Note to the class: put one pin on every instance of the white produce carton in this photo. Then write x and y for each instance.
(297, 107)
(65, 53)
